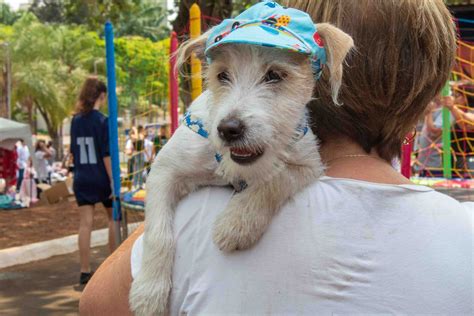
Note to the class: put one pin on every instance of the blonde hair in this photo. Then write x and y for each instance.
(404, 52)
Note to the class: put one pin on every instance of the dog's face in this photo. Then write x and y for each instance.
(258, 100)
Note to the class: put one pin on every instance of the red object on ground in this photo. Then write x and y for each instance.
(173, 82)
(8, 166)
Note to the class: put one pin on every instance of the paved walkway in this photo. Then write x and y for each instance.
(49, 287)
(46, 287)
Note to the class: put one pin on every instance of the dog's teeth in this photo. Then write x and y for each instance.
(242, 155)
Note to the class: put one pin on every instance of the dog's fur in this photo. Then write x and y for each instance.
(271, 113)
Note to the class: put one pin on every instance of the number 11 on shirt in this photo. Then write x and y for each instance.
(87, 156)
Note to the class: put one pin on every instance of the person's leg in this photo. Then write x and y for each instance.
(108, 210)
(85, 228)
(20, 179)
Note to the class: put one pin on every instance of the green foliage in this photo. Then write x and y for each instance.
(7, 16)
(49, 63)
(130, 17)
(142, 71)
(145, 20)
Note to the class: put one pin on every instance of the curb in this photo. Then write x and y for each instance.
(49, 248)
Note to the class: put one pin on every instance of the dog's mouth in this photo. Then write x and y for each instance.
(245, 156)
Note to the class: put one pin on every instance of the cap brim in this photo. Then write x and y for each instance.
(262, 35)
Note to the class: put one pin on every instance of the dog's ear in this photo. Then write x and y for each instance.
(337, 45)
(196, 46)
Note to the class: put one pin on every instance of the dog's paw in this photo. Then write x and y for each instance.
(149, 297)
(233, 232)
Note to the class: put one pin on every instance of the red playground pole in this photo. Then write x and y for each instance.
(173, 82)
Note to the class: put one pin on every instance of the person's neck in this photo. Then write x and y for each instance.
(346, 159)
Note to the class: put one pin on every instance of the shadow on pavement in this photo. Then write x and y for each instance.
(46, 287)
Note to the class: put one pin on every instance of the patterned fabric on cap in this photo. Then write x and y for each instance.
(271, 25)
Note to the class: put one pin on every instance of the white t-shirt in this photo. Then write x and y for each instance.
(148, 153)
(42, 165)
(23, 154)
(339, 247)
(129, 145)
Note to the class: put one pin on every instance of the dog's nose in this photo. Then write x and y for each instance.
(231, 129)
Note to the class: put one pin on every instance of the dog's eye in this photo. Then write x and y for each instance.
(272, 77)
(223, 77)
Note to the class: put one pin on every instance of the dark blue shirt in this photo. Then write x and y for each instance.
(89, 147)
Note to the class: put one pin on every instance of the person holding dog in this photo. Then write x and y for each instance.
(92, 166)
(363, 239)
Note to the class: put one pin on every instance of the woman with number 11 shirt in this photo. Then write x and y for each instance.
(92, 167)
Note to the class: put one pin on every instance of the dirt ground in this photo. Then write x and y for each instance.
(45, 222)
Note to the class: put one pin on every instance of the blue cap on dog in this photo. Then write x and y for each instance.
(271, 25)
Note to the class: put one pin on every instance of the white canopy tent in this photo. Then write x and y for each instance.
(11, 132)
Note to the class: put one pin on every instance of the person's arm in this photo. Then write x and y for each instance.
(107, 292)
(108, 167)
(463, 119)
(430, 126)
(129, 148)
(47, 152)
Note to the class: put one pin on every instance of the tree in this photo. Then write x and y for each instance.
(213, 11)
(145, 20)
(48, 11)
(130, 17)
(7, 16)
(142, 71)
(49, 64)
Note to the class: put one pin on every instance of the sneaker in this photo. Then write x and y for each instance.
(85, 277)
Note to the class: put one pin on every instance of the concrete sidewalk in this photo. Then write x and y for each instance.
(46, 287)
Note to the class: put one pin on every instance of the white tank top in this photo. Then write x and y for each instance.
(339, 247)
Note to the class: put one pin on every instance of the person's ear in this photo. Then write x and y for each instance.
(337, 45)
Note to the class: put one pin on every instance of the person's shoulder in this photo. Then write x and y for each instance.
(76, 117)
(442, 202)
(99, 116)
(413, 196)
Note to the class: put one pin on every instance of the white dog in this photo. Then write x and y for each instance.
(250, 130)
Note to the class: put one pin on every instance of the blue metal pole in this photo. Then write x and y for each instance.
(113, 128)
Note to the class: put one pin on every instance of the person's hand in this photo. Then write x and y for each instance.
(448, 102)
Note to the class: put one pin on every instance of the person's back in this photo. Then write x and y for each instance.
(89, 146)
(342, 246)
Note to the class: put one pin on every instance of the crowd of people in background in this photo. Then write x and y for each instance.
(141, 147)
(29, 176)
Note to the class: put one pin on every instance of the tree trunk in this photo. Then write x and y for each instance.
(4, 99)
(28, 104)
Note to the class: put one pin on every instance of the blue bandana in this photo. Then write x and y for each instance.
(271, 25)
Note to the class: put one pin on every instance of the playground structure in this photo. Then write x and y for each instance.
(453, 149)
(160, 115)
